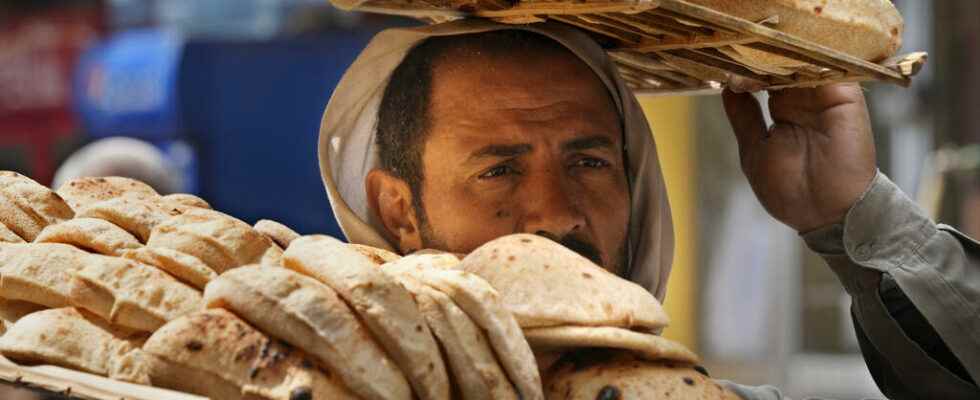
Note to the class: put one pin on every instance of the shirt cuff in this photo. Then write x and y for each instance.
(879, 232)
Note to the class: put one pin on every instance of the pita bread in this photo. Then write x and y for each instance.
(215, 354)
(83, 192)
(219, 240)
(38, 273)
(308, 314)
(545, 284)
(477, 373)
(136, 216)
(382, 303)
(279, 233)
(93, 234)
(378, 256)
(26, 206)
(13, 310)
(131, 294)
(72, 339)
(483, 305)
(185, 200)
(184, 267)
(622, 376)
(475, 370)
(867, 29)
(645, 345)
(9, 236)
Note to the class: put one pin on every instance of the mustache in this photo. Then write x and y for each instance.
(581, 246)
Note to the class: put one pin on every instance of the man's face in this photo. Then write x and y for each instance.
(531, 145)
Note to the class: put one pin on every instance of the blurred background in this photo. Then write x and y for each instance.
(223, 98)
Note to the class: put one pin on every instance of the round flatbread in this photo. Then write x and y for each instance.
(185, 267)
(476, 371)
(219, 240)
(484, 306)
(648, 346)
(39, 273)
(92, 234)
(13, 310)
(82, 192)
(185, 200)
(382, 303)
(213, 353)
(73, 339)
(279, 233)
(867, 29)
(378, 256)
(131, 294)
(26, 207)
(136, 216)
(623, 376)
(9, 236)
(309, 315)
(545, 284)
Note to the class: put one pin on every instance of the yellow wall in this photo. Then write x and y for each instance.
(671, 122)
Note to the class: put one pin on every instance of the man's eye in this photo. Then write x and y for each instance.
(497, 171)
(591, 163)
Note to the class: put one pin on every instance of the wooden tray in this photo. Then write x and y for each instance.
(82, 385)
(670, 46)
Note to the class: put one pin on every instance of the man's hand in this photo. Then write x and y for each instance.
(817, 158)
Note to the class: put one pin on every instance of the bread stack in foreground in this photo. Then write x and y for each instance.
(108, 277)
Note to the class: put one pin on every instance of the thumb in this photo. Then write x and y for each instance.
(745, 116)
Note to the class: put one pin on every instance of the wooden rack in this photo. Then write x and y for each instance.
(672, 46)
(80, 385)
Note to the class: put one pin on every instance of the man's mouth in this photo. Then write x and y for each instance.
(583, 248)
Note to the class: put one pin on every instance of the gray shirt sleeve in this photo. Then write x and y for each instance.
(910, 280)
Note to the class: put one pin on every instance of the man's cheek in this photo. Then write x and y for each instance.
(465, 222)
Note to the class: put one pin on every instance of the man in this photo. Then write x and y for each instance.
(451, 135)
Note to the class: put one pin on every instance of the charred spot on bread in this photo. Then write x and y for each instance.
(609, 392)
(194, 345)
(301, 393)
(689, 381)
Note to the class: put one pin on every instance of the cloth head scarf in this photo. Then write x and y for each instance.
(347, 142)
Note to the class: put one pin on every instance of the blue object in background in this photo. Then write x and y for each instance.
(252, 110)
(127, 85)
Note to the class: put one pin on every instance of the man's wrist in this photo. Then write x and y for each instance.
(882, 228)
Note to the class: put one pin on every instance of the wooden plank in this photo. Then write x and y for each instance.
(644, 25)
(566, 8)
(717, 40)
(689, 19)
(908, 64)
(656, 68)
(617, 21)
(83, 385)
(726, 66)
(600, 29)
(795, 56)
(666, 22)
(787, 42)
(406, 10)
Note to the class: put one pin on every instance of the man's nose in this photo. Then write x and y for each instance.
(551, 210)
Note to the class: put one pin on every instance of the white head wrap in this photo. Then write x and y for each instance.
(347, 145)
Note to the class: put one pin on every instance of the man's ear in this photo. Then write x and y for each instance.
(390, 198)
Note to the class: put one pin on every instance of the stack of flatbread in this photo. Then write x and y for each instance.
(90, 271)
(106, 276)
(593, 332)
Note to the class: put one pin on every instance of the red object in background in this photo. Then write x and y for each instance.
(38, 52)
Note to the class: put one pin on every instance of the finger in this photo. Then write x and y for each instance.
(745, 116)
(793, 107)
